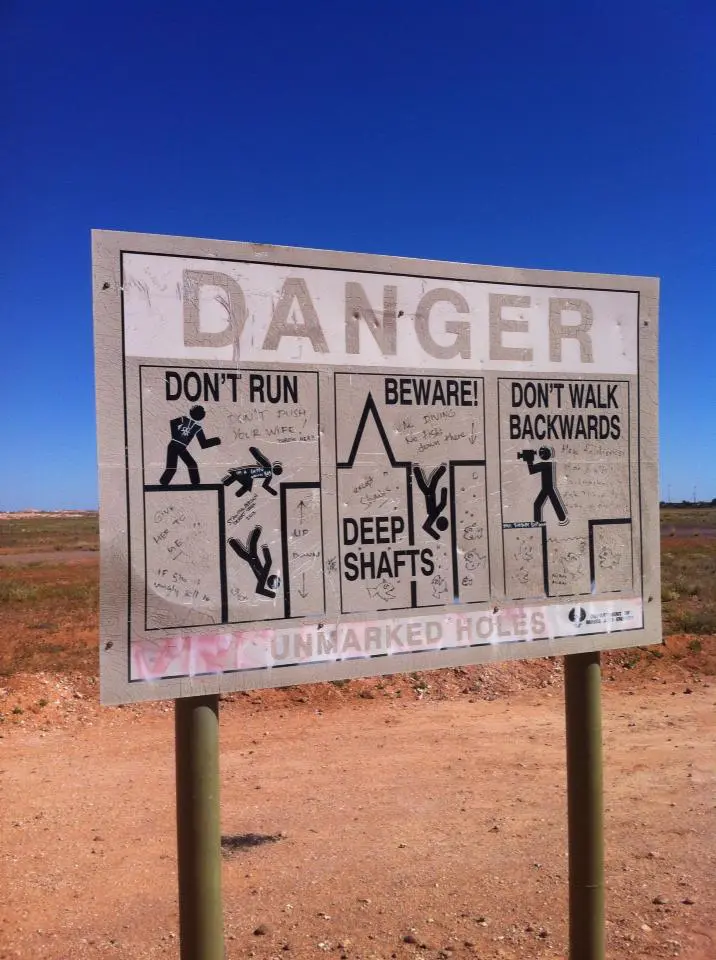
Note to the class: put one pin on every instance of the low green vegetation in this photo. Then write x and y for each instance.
(689, 517)
(46, 532)
(49, 613)
(17, 590)
(688, 576)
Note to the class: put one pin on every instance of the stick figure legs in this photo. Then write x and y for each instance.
(177, 451)
(557, 503)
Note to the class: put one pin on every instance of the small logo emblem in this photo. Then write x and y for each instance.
(578, 615)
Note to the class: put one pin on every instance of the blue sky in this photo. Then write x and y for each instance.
(578, 136)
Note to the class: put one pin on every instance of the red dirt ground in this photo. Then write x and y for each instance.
(430, 808)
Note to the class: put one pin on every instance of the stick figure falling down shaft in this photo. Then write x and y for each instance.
(266, 582)
(429, 487)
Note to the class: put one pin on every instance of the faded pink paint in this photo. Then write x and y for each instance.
(206, 653)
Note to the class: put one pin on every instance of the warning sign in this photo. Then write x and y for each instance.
(408, 450)
(318, 465)
(566, 477)
(234, 518)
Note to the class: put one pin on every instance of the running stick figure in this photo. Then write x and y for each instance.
(183, 430)
(429, 488)
(266, 582)
(547, 469)
(263, 469)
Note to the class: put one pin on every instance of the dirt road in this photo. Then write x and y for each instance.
(46, 556)
(430, 829)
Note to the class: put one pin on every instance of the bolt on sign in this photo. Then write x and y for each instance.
(321, 465)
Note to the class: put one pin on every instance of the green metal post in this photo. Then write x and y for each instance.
(582, 692)
(199, 828)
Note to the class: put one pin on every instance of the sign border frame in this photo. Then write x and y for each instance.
(108, 248)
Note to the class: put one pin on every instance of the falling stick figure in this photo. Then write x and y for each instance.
(547, 469)
(183, 431)
(429, 488)
(266, 582)
(263, 469)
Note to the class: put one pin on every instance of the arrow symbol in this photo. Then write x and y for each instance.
(473, 436)
(303, 592)
(301, 508)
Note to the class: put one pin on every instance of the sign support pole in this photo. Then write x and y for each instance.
(582, 692)
(199, 827)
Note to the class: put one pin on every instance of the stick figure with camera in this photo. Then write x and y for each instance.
(546, 467)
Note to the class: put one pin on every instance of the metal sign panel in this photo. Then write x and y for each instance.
(320, 465)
